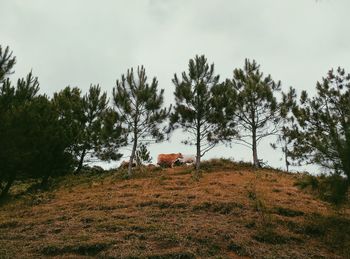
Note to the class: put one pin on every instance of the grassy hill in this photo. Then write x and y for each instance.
(231, 211)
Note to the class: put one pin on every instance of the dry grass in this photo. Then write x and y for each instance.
(237, 212)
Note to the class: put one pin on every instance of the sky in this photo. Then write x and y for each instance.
(83, 42)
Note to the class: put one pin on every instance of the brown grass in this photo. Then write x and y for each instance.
(236, 212)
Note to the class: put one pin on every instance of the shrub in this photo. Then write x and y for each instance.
(332, 188)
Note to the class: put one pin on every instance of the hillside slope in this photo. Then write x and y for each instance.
(232, 212)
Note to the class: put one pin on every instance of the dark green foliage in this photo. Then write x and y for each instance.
(254, 108)
(15, 152)
(81, 249)
(143, 155)
(308, 181)
(175, 255)
(221, 208)
(6, 63)
(86, 121)
(333, 230)
(113, 136)
(139, 105)
(33, 143)
(69, 106)
(271, 237)
(94, 143)
(46, 137)
(238, 249)
(324, 124)
(213, 165)
(322, 134)
(285, 138)
(288, 212)
(199, 104)
(331, 188)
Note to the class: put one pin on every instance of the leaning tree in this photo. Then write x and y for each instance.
(255, 109)
(139, 105)
(198, 107)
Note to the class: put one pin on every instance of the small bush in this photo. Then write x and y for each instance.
(331, 188)
(307, 181)
(238, 249)
(181, 255)
(268, 235)
(334, 231)
(82, 249)
(223, 164)
(221, 208)
(288, 212)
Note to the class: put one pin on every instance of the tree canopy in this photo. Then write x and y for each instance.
(255, 109)
(139, 105)
(197, 107)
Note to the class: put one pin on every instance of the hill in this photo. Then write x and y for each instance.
(231, 211)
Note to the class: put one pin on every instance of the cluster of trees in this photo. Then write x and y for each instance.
(42, 136)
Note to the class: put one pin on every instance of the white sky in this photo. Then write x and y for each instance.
(79, 42)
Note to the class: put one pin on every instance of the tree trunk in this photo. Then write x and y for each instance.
(131, 161)
(81, 161)
(7, 187)
(255, 151)
(286, 157)
(198, 157)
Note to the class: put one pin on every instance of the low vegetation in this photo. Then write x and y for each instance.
(230, 211)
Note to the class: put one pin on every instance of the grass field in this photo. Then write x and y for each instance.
(231, 211)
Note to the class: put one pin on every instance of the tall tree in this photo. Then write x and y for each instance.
(196, 107)
(84, 118)
(285, 136)
(6, 62)
(48, 144)
(113, 136)
(69, 106)
(15, 152)
(139, 105)
(323, 133)
(94, 106)
(255, 108)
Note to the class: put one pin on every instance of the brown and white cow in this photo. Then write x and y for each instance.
(187, 159)
(168, 160)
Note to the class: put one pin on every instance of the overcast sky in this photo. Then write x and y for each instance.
(83, 42)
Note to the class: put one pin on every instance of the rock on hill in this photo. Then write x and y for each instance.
(231, 211)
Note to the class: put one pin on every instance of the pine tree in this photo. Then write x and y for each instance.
(285, 136)
(322, 135)
(255, 109)
(46, 137)
(69, 106)
(6, 63)
(113, 136)
(84, 118)
(94, 105)
(139, 105)
(142, 155)
(16, 151)
(197, 107)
